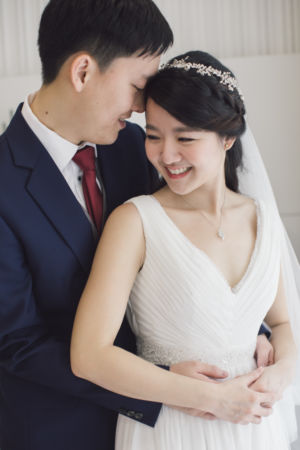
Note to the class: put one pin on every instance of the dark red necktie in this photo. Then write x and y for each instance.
(85, 159)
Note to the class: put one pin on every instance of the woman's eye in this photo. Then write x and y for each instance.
(152, 137)
(185, 139)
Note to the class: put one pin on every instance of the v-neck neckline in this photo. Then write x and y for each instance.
(237, 287)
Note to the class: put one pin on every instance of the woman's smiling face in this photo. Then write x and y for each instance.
(185, 157)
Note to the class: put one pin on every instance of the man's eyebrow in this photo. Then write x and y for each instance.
(151, 127)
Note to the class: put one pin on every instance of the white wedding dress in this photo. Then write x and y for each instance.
(182, 308)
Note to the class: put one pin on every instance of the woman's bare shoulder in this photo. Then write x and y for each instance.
(127, 212)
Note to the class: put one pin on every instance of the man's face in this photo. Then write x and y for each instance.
(111, 96)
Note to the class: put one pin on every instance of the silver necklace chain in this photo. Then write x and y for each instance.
(220, 233)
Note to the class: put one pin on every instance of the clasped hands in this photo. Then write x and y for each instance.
(244, 399)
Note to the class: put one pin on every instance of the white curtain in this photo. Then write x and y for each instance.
(230, 28)
(19, 21)
(226, 28)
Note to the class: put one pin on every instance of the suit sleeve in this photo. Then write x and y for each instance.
(29, 351)
(264, 329)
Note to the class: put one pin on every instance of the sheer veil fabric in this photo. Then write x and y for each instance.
(254, 182)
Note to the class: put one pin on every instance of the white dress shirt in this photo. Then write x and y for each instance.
(61, 151)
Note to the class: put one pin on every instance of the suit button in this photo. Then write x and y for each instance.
(139, 416)
(131, 413)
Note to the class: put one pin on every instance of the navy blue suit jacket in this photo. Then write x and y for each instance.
(46, 250)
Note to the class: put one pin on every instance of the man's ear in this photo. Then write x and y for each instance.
(80, 71)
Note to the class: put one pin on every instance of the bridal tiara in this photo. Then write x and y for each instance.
(226, 78)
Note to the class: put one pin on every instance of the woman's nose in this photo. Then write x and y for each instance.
(169, 153)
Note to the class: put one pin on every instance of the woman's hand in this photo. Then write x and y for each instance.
(200, 371)
(275, 378)
(238, 403)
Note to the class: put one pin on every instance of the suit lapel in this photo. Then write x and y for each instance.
(50, 191)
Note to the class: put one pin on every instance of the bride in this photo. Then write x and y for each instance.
(199, 266)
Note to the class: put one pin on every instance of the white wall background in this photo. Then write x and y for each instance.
(258, 39)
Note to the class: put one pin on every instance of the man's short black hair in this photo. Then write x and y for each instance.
(106, 29)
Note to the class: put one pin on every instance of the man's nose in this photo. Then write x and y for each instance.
(138, 103)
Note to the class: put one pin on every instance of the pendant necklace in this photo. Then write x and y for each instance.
(220, 233)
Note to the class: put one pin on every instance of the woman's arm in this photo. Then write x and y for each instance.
(279, 375)
(94, 356)
(119, 257)
(282, 337)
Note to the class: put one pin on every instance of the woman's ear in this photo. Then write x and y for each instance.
(80, 71)
(228, 143)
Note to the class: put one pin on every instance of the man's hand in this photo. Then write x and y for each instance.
(201, 371)
(264, 352)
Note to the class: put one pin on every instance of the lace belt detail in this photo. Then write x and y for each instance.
(167, 355)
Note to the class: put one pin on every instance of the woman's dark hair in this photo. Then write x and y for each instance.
(106, 29)
(202, 102)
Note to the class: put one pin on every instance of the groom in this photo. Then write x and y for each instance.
(96, 57)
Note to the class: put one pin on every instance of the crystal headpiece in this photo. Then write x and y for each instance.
(226, 78)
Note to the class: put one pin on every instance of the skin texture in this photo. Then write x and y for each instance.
(95, 100)
(120, 256)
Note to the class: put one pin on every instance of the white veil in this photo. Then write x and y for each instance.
(254, 182)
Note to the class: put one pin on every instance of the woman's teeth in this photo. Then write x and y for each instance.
(178, 171)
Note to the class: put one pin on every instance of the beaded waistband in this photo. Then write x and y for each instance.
(168, 355)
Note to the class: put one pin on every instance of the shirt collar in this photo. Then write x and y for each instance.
(61, 150)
